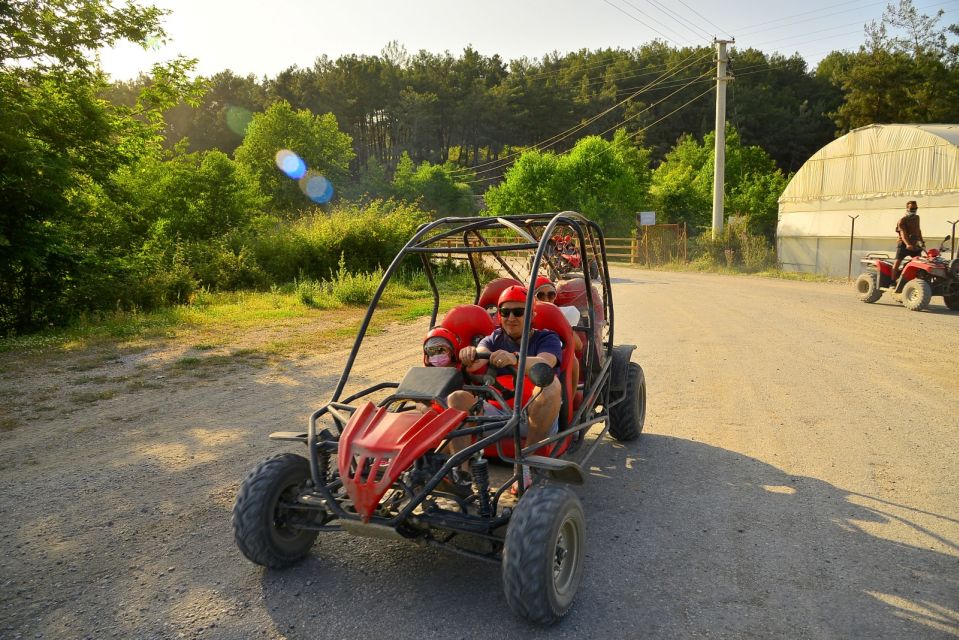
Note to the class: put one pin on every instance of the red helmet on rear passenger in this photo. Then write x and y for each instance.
(542, 280)
(437, 334)
(516, 293)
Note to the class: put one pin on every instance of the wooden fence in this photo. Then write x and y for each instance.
(652, 245)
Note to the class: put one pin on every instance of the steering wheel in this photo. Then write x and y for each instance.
(492, 372)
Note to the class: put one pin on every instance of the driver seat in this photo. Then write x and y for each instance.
(547, 315)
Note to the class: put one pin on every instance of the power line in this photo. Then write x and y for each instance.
(704, 18)
(562, 135)
(629, 15)
(676, 18)
(750, 28)
(619, 124)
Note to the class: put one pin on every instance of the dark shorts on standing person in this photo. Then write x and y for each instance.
(902, 252)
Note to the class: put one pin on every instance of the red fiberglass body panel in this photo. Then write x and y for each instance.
(377, 446)
(884, 267)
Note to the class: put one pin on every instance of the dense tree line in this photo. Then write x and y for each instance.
(475, 110)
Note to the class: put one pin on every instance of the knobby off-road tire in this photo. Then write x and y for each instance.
(952, 301)
(916, 295)
(543, 553)
(628, 417)
(867, 288)
(260, 524)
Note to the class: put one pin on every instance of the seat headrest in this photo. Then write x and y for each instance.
(547, 315)
(493, 289)
(469, 322)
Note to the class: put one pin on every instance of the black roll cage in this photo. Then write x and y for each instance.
(488, 430)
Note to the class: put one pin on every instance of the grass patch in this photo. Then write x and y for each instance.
(138, 385)
(291, 322)
(9, 424)
(699, 267)
(101, 379)
(91, 397)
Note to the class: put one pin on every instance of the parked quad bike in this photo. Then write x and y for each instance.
(380, 469)
(922, 278)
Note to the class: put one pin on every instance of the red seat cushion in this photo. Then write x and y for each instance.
(547, 315)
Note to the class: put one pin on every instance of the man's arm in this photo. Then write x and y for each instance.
(508, 358)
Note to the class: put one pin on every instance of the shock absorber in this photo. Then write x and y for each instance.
(323, 464)
(479, 468)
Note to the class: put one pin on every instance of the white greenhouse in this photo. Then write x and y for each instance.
(870, 172)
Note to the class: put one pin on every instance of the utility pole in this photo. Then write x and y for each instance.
(719, 167)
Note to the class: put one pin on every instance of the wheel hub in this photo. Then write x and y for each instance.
(565, 556)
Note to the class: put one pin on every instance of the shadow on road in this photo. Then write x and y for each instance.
(684, 540)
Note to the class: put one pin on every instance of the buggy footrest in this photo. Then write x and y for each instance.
(297, 436)
(557, 469)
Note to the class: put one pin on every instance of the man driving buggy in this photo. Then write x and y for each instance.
(502, 347)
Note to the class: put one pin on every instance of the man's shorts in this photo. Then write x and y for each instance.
(902, 252)
(493, 411)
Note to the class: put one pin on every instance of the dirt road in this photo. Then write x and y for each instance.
(797, 479)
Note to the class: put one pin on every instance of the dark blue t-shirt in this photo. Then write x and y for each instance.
(541, 341)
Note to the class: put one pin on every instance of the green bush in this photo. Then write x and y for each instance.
(435, 186)
(735, 248)
(367, 238)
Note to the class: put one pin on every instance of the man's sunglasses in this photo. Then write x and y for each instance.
(517, 312)
(546, 296)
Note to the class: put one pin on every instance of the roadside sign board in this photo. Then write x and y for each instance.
(647, 218)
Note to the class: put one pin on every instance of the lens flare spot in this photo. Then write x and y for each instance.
(238, 119)
(290, 164)
(317, 188)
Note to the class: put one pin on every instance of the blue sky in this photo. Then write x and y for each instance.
(250, 36)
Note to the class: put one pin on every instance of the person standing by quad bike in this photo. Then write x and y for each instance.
(910, 237)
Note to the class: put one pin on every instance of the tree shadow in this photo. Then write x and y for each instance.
(684, 540)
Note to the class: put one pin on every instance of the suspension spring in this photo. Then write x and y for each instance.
(323, 465)
(480, 471)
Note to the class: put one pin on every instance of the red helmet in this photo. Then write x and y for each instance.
(516, 293)
(470, 323)
(440, 333)
(491, 292)
(540, 281)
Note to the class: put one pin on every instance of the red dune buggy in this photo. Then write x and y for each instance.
(377, 462)
(921, 278)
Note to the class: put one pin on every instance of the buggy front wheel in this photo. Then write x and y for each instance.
(543, 553)
(264, 515)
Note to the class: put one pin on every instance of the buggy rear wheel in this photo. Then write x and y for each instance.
(916, 294)
(628, 417)
(262, 518)
(867, 288)
(543, 553)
